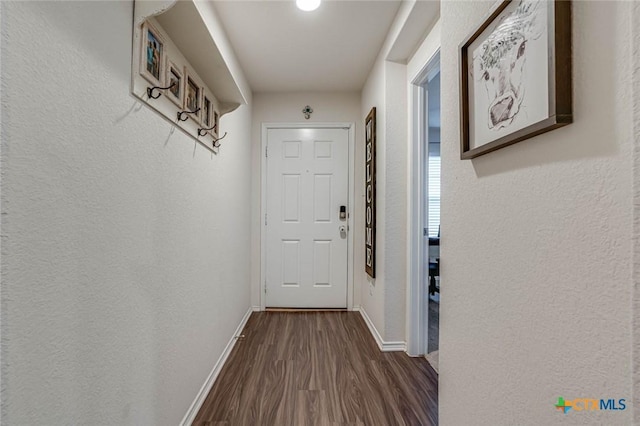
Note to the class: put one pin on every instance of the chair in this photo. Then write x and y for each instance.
(434, 267)
(434, 271)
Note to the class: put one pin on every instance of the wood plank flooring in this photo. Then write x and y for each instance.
(318, 368)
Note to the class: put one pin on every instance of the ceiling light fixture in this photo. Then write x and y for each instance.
(308, 5)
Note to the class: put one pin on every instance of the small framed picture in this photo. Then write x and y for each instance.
(192, 95)
(206, 112)
(175, 82)
(216, 123)
(151, 54)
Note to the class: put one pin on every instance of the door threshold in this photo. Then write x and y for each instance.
(306, 310)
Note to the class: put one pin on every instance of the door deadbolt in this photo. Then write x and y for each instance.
(343, 212)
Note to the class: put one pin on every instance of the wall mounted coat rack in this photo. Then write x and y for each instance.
(178, 71)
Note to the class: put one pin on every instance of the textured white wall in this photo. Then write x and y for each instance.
(1, 209)
(386, 89)
(373, 290)
(125, 246)
(395, 202)
(635, 88)
(537, 243)
(287, 108)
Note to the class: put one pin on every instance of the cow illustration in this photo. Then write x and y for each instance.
(500, 62)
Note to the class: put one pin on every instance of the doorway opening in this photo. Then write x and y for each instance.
(432, 211)
(424, 295)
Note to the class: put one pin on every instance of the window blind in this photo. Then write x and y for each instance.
(433, 225)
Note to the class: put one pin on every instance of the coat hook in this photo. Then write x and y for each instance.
(202, 131)
(216, 142)
(158, 88)
(307, 111)
(186, 112)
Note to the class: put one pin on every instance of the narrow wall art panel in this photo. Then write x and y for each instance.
(370, 193)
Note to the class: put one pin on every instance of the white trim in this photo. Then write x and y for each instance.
(256, 308)
(350, 208)
(384, 346)
(351, 185)
(190, 416)
(417, 323)
(263, 213)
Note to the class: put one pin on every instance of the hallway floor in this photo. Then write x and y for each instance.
(434, 324)
(318, 368)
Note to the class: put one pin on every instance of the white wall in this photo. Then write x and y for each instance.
(384, 299)
(395, 202)
(635, 88)
(373, 290)
(537, 243)
(287, 108)
(125, 246)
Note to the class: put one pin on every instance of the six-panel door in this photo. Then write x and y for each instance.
(306, 247)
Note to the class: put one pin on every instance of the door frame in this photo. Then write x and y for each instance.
(417, 303)
(263, 200)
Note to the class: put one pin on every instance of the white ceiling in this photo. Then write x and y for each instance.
(282, 48)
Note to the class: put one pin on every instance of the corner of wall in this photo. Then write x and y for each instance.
(635, 362)
(386, 89)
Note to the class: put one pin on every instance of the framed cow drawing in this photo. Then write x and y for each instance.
(515, 75)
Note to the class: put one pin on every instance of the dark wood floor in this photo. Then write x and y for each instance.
(434, 326)
(318, 368)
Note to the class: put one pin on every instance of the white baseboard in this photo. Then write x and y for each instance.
(208, 384)
(256, 308)
(384, 346)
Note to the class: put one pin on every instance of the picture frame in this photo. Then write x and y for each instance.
(174, 74)
(216, 122)
(515, 75)
(152, 52)
(207, 111)
(370, 193)
(192, 95)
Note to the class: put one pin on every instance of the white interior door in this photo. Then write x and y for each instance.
(306, 237)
